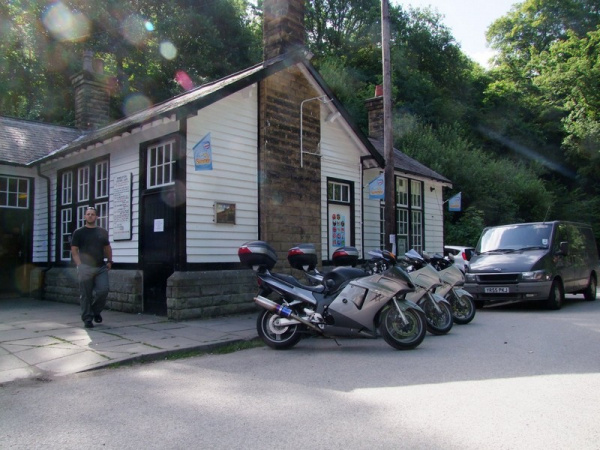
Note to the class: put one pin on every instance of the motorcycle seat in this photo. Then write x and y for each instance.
(294, 282)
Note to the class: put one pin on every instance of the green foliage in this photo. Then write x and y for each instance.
(569, 80)
(145, 45)
(466, 230)
(501, 190)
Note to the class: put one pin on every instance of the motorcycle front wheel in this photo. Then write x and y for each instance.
(463, 309)
(399, 334)
(275, 336)
(438, 321)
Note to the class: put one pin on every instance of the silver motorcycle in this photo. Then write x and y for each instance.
(426, 280)
(348, 303)
(463, 304)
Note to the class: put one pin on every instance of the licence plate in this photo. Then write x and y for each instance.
(496, 290)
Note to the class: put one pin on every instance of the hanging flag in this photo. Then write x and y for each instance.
(203, 154)
(454, 204)
(377, 188)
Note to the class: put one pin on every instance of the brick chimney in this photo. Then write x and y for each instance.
(289, 195)
(91, 94)
(283, 27)
(375, 109)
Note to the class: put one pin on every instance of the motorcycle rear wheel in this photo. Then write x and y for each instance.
(277, 337)
(438, 322)
(399, 335)
(463, 309)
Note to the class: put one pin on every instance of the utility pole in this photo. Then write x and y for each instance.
(388, 136)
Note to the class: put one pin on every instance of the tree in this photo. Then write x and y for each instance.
(146, 45)
(569, 80)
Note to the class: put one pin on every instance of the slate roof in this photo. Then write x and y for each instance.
(23, 141)
(409, 165)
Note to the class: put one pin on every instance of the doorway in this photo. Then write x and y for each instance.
(157, 248)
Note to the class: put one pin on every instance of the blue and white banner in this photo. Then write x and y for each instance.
(454, 204)
(377, 188)
(203, 154)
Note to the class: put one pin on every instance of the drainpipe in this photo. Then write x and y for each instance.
(48, 251)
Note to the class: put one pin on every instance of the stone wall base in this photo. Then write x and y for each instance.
(125, 295)
(210, 294)
(190, 295)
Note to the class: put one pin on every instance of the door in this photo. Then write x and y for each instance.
(157, 249)
(15, 239)
(339, 228)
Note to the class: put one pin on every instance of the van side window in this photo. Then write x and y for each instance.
(561, 236)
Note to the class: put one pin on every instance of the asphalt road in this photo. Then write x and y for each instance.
(515, 378)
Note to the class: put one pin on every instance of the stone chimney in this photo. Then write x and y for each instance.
(290, 195)
(283, 27)
(91, 94)
(375, 109)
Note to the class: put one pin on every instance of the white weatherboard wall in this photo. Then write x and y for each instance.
(434, 217)
(233, 125)
(371, 218)
(124, 156)
(341, 160)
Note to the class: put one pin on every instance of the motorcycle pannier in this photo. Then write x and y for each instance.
(303, 257)
(345, 256)
(257, 254)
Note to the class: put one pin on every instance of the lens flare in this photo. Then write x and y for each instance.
(167, 50)
(184, 80)
(134, 29)
(135, 103)
(65, 25)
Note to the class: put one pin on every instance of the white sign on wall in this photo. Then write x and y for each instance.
(120, 207)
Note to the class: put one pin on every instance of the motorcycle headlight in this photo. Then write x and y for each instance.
(536, 275)
(470, 278)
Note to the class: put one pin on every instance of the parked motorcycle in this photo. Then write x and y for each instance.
(426, 280)
(348, 302)
(463, 304)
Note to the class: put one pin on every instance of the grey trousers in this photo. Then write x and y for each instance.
(92, 279)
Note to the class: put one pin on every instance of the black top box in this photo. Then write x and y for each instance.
(345, 256)
(303, 257)
(257, 255)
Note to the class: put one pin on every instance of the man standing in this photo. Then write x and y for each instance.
(89, 247)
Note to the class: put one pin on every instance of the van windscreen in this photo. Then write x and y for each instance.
(515, 237)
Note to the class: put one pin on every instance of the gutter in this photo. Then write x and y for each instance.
(49, 245)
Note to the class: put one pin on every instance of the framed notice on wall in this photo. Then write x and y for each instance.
(120, 207)
(225, 212)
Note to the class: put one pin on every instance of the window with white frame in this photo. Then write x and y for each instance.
(83, 184)
(409, 216)
(101, 177)
(90, 183)
(14, 192)
(160, 165)
(67, 188)
(338, 192)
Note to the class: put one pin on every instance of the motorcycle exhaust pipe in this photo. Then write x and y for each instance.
(283, 311)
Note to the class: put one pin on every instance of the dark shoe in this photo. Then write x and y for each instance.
(88, 324)
(98, 318)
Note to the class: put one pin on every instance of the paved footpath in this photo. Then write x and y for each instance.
(40, 339)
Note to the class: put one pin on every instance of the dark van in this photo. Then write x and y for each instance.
(534, 261)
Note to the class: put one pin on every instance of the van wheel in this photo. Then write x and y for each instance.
(590, 291)
(557, 296)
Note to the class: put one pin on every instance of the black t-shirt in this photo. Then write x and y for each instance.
(91, 243)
